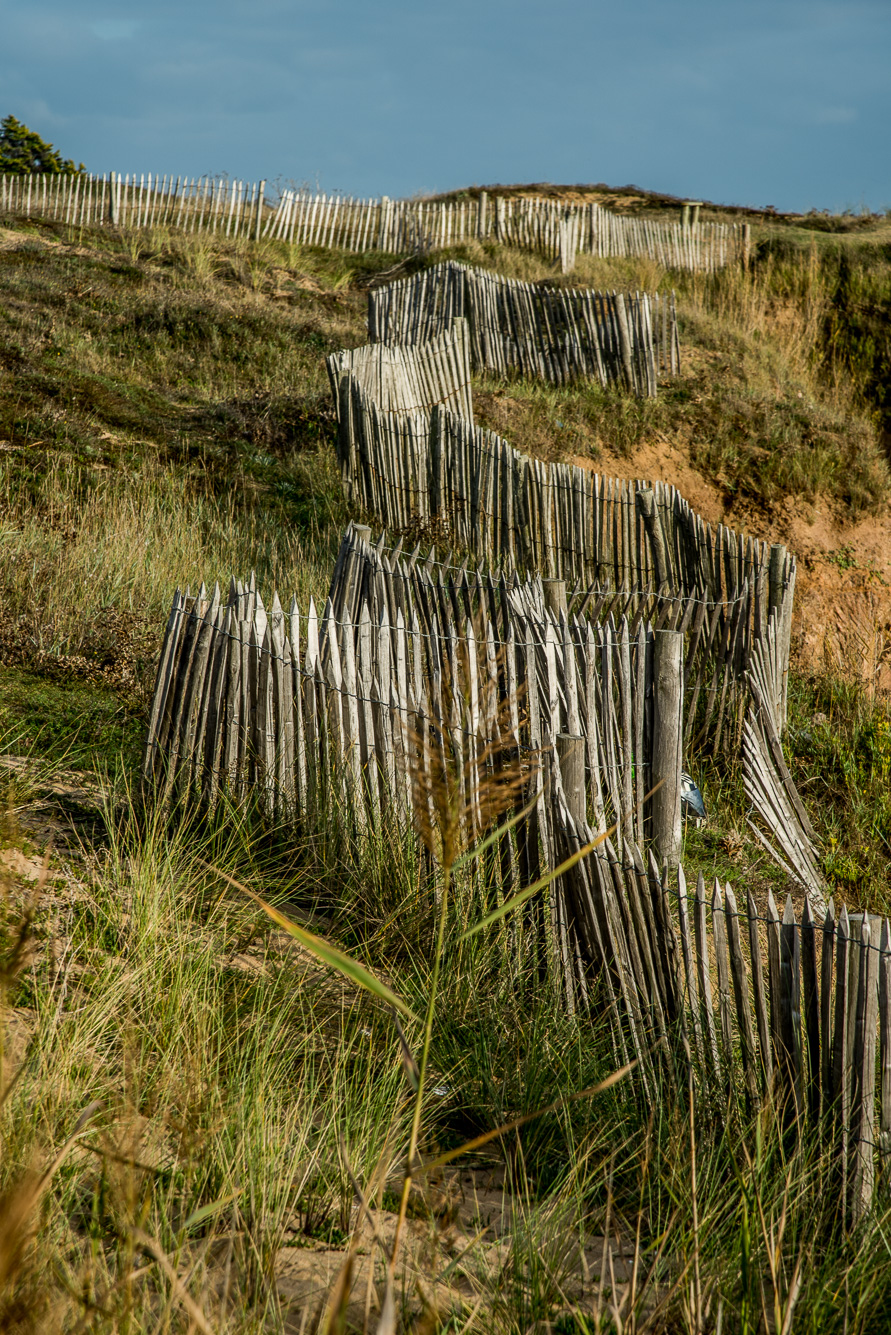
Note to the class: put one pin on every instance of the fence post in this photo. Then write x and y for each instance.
(646, 504)
(566, 245)
(571, 755)
(258, 226)
(667, 743)
(775, 578)
(555, 596)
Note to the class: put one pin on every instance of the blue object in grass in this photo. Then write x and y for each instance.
(692, 804)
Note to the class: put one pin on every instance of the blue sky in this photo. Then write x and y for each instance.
(786, 102)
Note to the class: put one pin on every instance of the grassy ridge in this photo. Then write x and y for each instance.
(164, 415)
(243, 1090)
(782, 392)
(171, 391)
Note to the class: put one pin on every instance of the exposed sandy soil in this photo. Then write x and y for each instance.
(448, 1261)
(843, 589)
(457, 1245)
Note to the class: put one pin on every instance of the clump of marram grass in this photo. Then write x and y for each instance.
(252, 1095)
(456, 802)
(779, 321)
(88, 565)
(233, 1078)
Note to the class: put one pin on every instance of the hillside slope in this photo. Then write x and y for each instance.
(165, 414)
(206, 1094)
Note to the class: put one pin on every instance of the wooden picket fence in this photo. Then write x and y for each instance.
(731, 598)
(206, 204)
(557, 231)
(766, 779)
(555, 334)
(234, 678)
(725, 704)
(414, 668)
(274, 707)
(240, 208)
(410, 468)
(407, 380)
(788, 1011)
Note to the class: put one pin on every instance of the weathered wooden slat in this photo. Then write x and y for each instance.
(790, 1009)
(722, 965)
(811, 1008)
(841, 1056)
(761, 1013)
(827, 1087)
(704, 975)
(884, 993)
(773, 980)
(689, 967)
(863, 1130)
(741, 995)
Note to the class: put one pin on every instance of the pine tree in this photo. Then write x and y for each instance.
(23, 151)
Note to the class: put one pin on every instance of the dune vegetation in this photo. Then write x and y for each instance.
(205, 1124)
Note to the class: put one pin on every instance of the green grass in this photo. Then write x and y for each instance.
(164, 416)
(243, 1089)
(840, 741)
(225, 1089)
(784, 373)
(119, 361)
(67, 723)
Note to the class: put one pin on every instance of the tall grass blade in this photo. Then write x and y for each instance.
(324, 951)
(518, 900)
(493, 838)
(503, 1130)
